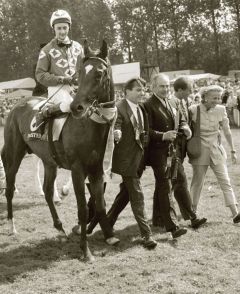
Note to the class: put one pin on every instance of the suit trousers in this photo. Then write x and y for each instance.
(221, 173)
(130, 190)
(182, 196)
(162, 200)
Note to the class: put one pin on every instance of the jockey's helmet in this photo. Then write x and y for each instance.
(60, 16)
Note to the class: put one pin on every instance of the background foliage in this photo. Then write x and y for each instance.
(170, 34)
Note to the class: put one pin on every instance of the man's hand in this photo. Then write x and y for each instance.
(117, 135)
(187, 131)
(169, 136)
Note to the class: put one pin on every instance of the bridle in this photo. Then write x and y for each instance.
(100, 109)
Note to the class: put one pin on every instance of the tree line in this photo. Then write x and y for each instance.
(169, 34)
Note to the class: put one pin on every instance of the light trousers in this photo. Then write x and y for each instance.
(221, 173)
(61, 94)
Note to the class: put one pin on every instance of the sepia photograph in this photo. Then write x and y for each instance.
(119, 146)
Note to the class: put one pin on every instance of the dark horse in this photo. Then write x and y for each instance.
(81, 148)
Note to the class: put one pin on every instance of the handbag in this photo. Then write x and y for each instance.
(194, 144)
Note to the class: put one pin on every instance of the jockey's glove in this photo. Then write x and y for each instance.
(74, 81)
(67, 80)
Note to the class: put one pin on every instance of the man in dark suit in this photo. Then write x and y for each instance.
(131, 135)
(182, 89)
(162, 131)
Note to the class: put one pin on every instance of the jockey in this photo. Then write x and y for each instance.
(57, 67)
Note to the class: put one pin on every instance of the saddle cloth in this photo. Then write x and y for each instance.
(42, 132)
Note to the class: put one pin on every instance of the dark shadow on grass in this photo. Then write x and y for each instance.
(130, 237)
(41, 254)
(18, 206)
(37, 255)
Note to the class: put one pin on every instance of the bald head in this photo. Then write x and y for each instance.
(161, 85)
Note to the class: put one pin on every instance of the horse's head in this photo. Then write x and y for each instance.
(95, 84)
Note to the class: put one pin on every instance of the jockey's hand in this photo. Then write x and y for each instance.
(234, 158)
(117, 135)
(74, 81)
(169, 136)
(67, 80)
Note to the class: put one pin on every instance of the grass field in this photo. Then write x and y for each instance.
(202, 261)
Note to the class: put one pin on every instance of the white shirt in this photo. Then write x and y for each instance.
(134, 108)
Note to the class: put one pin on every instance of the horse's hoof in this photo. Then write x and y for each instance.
(89, 231)
(58, 202)
(112, 241)
(76, 230)
(89, 259)
(62, 239)
(13, 233)
(65, 191)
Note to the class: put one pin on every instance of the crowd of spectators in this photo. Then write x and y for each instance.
(230, 98)
(5, 107)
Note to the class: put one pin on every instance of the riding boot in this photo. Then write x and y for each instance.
(51, 110)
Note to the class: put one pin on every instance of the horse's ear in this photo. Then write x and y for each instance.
(86, 48)
(104, 50)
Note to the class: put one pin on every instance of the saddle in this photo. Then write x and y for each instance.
(50, 131)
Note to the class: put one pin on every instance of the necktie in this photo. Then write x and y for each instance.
(140, 122)
(184, 110)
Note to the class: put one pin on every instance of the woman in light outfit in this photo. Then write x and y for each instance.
(212, 117)
(57, 66)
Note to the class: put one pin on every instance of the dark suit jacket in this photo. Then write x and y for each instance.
(128, 153)
(183, 120)
(161, 120)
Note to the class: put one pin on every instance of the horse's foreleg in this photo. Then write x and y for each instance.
(50, 173)
(97, 189)
(78, 179)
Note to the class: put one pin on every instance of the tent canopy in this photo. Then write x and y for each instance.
(202, 76)
(18, 84)
(124, 72)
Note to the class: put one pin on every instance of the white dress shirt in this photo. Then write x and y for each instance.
(134, 108)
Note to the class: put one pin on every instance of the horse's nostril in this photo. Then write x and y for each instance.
(79, 108)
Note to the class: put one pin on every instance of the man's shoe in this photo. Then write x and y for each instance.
(178, 232)
(198, 222)
(149, 242)
(112, 241)
(236, 219)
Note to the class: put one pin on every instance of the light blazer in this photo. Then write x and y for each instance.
(211, 122)
(128, 153)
